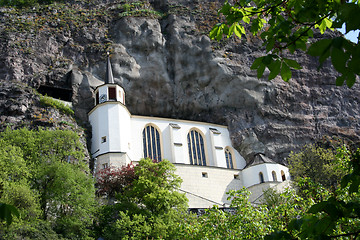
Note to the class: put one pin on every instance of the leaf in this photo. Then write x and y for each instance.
(339, 59)
(256, 63)
(301, 44)
(225, 9)
(285, 72)
(354, 64)
(325, 23)
(260, 70)
(270, 44)
(346, 179)
(217, 31)
(340, 80)
(354, 187)
(320, 47)
(246, 19)
(324, 56)
(239, 30)
(292, 63)
(319, 207)
(295, 224)
(267, 59)
(278, 235)
(274, 68)
(7, 211)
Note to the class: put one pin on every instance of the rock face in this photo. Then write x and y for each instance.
(169, 68)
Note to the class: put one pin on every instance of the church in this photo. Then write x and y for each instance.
(201, 152)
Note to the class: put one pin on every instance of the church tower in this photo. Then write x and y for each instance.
(110, 121)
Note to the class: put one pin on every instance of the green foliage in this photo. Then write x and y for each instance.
(49, 101)
(289, 26)
(148, 207)
(246, 221)
(319, 165)
(337, 216)
(7, 212)
(46, 180)
(138, 9)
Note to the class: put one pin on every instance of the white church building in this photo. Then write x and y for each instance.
(202, 152)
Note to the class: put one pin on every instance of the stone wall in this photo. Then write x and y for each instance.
(168, 67)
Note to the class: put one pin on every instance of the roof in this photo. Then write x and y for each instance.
(259, 159)
(109, 78)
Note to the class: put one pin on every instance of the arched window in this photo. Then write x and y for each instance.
(196, 148)
(151, 143)
(261, 176)
(283, 175)
(274, 176)
(229, 158)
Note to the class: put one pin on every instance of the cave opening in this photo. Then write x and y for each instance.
(64, 94)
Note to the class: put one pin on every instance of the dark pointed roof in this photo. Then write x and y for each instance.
(109, 78)
(259, 159)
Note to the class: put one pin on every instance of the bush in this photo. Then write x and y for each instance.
(49, 101)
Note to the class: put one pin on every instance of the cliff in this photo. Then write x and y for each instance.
(168, 66)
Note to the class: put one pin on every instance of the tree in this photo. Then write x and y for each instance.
(317, 164)
(244, 220)
(113, 180)
(337, 216)
(290, 25)
(149, 206)
(44, 175)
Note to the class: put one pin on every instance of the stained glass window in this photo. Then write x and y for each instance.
(151, 143)
(196, 148)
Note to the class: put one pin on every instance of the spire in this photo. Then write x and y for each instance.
(109, 75)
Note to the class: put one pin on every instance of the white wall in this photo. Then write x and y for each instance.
(251, 174)
(110, 120)
(174, 140)
(206, 191)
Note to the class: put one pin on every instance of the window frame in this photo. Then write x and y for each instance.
(228, 150)
(152, 134)
(197, 146)
(112, 93)
(274, 176)
(283, 176)
(261, 177)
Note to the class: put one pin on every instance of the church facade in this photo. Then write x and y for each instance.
(202, 152)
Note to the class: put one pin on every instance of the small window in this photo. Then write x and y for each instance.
(105, 165)
(112, 93)
(274, 176)
(204, 174)
(283, 175)
(103, 139)
(261, 176)
(97, 98)
(236, 176)
(229, 158)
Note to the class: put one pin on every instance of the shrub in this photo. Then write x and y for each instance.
(49, 101)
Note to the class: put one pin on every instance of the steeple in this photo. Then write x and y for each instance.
(109, 75)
